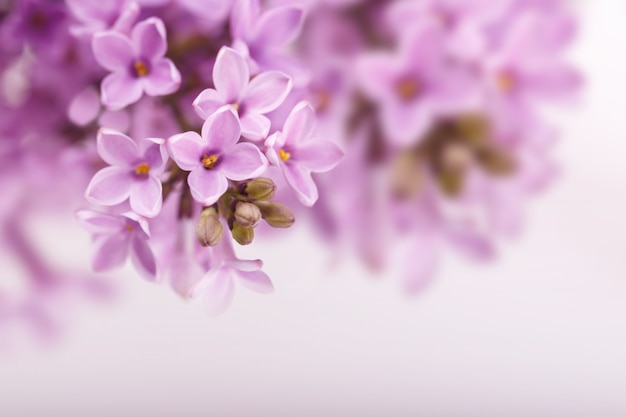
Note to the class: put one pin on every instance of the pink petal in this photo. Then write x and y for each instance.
(243, 18)
(109, 187)
(149, 39)
(376, 74)
(278, 26)
(186, 150)
(117, 149)
(208, 102)
(243, 161)
(154, 154)
(266, 92)
(207, 186)
(163, 79)
(422, 262)
(555, 81)
(257, 281)
(318, 156)
(112, 50)
(218, 290)
(222, 130)
(255, 126)
(120, 89)
(85, 107)
(143, 258)
(230, 74)
(406, 124)
(109, 252)
(301, 182)
(300, 124)
(146, 196)
(100, 223)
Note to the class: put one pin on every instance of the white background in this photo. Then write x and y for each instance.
(540, 333)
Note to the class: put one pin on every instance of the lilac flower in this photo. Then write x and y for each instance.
(416, 86)
(251, 99)
(133, 174)
(137, 64)
(217, 286)
(116, 237)
(298, 153)
(97, 15)
(216, 156)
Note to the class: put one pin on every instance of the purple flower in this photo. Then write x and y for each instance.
(416, 86)
(137, 64)
(217, 287)
(216, 156)
(97, 15)
(298, 153)
(251, 99)
(133, 174)
(115, 238)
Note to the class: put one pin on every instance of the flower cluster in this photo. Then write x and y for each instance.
(187, 124)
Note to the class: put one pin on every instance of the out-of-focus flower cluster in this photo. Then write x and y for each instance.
(187, 123)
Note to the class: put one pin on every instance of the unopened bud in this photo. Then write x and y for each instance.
(260, 189)
(276, 214)
(247, 215)
(243, 235)
(209, 228)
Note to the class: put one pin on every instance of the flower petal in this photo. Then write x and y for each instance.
(278, 26)
(143, 258)
(243, 161)
(218, 289)
(257, 281)
(301, 182)
(318, 156)
(109, 251)
(163, 79)
(230, 74)
(112, 50)
(149, 39)
(300, 124)
(99, 223)
(208, 102)
(254, 126)
(207, 186)
(120, 89)
(109, 187)
(146, 196)
(266, 92)
(117, 149)
(154, 154)
(186, 150)
(222, 130)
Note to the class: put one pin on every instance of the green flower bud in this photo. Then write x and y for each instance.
(243, 235)
(209, 228)
(276, 214)
(247, 215)
(259, 189)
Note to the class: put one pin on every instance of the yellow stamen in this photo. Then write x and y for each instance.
(284, 155)
(408, 89)
(323, 100)
(141, 69)
(130, 228)
(209, 161)
(236, 106)
(505, 82)
(142, 169)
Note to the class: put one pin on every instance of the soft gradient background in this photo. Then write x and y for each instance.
(540, 333)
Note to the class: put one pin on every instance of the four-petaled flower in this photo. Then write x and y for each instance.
(116, 237)
(298, 153)
(137, 64)
(133, 174)
(251, 99)
(216, 156)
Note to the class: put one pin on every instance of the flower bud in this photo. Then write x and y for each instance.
(260, 189)
(209, 228)
(243, 235)
(247, 215)
(276, 214)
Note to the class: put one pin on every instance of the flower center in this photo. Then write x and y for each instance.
(141, 68)
(209, 161)
(142, 169)
(130, 228)
(284, 155)
(408, 89)
(235, 106)
(505, 82)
